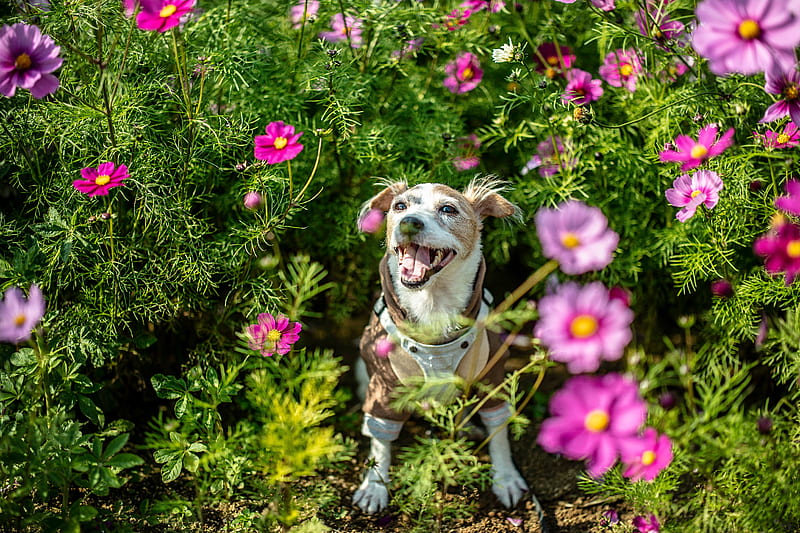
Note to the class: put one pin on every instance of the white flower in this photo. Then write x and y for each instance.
(504, 54)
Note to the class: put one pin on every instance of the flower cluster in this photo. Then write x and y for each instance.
(273, 334)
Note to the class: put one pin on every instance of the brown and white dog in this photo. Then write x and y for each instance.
(432, 281)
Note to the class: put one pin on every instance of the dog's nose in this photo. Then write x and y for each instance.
(410, 226)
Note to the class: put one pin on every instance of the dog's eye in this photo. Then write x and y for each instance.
(400, 206)
(448, 209)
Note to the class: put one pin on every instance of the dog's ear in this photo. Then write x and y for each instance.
(484, 195)
(383, 200)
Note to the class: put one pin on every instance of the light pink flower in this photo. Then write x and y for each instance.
(18, 315)
(581, 89)
(279, 144)
(98, 181)
(344, 28)
(692, 191)
(646, 457)
(27, 60)
(273, 334)
(621, 69)
(463, 74)
(303, 11)
(551, 158)
(371, 221)
(161, 15)
(252, 200)
(582, 326)
(772, 140)
(692, 153)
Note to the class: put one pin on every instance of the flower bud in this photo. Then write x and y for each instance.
(764, 425)
(252, 200)
(722, 288)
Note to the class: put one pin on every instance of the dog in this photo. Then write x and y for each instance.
(432, 280)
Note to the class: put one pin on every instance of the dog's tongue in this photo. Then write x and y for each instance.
(415, 262)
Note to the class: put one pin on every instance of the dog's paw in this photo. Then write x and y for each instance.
(371, 496)
(509, 487)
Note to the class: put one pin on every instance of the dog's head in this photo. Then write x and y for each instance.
(432, 227)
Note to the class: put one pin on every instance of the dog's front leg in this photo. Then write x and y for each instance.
(507, 483)
(372, 495)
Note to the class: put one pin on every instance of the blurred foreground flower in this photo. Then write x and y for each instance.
(645, 525)
(553, 59)
(98, 181)
(786, 84)
(592, 417)
(582, 325)
(647, 456)
(161, 15)
(273, 334)
(27, 58)
(577, 236)
(18, 315)
(692, 153)
(301, 12)
(463, 74)
(581, 89)
(791, 202)
(344, 28)
(279, 144)
(746, 36)
(781, 249)
(772, 140)
(371, 221)
(621, 68)
(692, 191)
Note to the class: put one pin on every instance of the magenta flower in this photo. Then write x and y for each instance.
(577, 236)
(644, 525)
(252, 200)
(279, 144)
(301, 12)
(746, 36)
(581, 89)
(785, 83)
(621, 69)
(722, 288)
(467, 157)
(692, 191)
(604, 5)
(97, 181)
(653, 21)
(383, 347)
(592, 417)
(129, 7)
(479, 5)
(455, 19)
(371, 221)
(582, 325)
(18, 315)
(772, 140)
(781, 249)
(790, 203)
(344, 28)
(551, 157)
(273, 334)
(692, 153)
(27, 59)
(646, 457)
(463, 74)
(161, 15)
(553, 60)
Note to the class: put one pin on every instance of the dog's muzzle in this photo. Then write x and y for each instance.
(419, 263)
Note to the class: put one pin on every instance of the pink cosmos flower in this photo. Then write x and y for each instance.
(781, 249)
(279, 144)
(478, 5)
(577, 236)
(97, 181)
(252, 200)
(582, 325)
(27, 59)
(646, 457)
(772, 140)
(653, 21)
(18, 315)
(551, 158)
(301, 12)
(553, 60)
(692, 153)
(129, 7)
(344, 28)
(383, 347)
(692, 191)
(786, 84)
(468, 153)
(746, 36)
(161, 15)
(455, 19)
(790, 203)
(581, 89)
(604, 5)
(644, 525)
(371, 221)
(273, 334)
(621, 69)
(592, 417)
(463, 74)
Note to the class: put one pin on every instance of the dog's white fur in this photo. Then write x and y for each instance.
(436, 305)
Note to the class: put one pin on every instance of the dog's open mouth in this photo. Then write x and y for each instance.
(419, 263)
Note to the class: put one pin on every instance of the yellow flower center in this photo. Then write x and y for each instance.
(699, 151)
(102, 179)
(552, 60)
(19, 320)
(793, 249)
(749, 29)
(596, 421)
(583, 326)
(782, 138)
(280, 143)
(696, 193)
(570, 240)
(791, 92)
(273, 335)
(626, 69)
(167, 11)
(648, 458)
(23, 62)
(467, 74)
(550, 73)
